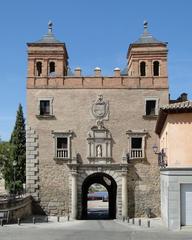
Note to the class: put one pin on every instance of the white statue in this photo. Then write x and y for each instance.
(99, 151)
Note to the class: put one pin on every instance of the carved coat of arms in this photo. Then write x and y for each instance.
(100, 108)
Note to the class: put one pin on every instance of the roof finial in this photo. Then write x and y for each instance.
(50, 27)
(145, 24)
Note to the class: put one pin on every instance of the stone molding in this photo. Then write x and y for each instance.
(99, 145)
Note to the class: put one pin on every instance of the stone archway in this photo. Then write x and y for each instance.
(109, 183)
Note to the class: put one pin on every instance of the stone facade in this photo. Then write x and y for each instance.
(55, 181)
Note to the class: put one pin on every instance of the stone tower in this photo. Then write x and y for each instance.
(94, 129)
(147, 58)
(46, 58)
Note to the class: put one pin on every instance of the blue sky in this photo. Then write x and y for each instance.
(96, 33)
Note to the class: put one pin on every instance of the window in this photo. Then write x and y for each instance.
(150, 107)
(44, 107)
(136, 147)
(156, 68)
(62, 145)
(142, 69)
(38, 68)
(51, 68)
(136, 143)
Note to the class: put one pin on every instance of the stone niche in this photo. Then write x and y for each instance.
(99, 145)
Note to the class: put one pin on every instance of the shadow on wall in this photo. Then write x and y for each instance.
(37, 209)
(138, 201)
(133, 179)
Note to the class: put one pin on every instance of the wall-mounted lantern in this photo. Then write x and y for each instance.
(161, 156)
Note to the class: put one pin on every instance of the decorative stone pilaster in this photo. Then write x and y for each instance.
(124, 194)
(32, 163)
(74, 194)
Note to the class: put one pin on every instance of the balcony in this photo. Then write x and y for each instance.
(62, 153)
(136, 153)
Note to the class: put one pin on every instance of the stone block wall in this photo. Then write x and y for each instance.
(32, 163)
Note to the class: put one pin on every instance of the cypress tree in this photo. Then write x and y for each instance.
(6, 164)
(18, 142)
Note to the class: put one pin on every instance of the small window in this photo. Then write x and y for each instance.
(52, 67)
(39, 68)
(44, 107)
(150, 107)
(156, 68)
(143, 69)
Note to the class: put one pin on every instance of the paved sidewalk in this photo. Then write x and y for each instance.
(91, 229)
(147, 224)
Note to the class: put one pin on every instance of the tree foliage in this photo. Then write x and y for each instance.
(6, 163)
(18, 142)
(15, 151)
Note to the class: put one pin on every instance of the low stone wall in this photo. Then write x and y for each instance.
(18, 208)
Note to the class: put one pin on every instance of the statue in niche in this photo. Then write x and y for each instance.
(99, 151)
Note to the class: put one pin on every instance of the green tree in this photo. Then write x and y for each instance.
(18, 148)
(6, 164)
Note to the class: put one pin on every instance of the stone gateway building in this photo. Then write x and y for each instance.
(94, 129)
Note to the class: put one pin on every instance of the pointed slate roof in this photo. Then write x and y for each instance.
(49, 37)
(146, 37)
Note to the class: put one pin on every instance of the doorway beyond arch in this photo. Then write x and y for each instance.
(109, 183)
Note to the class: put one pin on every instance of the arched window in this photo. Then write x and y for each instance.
(142, 69)
(156, 68)
(51, 67)
(39, 68)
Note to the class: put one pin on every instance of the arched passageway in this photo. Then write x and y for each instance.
(109, 183)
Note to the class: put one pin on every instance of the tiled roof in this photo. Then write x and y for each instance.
(179, 107)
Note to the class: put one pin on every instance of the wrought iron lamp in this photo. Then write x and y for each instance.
(161, 156)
